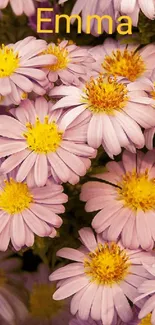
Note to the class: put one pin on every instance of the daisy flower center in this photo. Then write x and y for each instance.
(43, 137)
(1, 98)
(24, 95)
(15, 197)
(153, 92)
(42, 306)
(9, 61)
(137, 191)
(105, 95)
(146, 320)
(108, 264)
(61, 55)
(128, 64)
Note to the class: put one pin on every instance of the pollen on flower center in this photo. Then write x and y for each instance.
(15, 197)
(137, 191)
(146, 320)
(105, 95)
(42, 306)
(24, 95)
(43, 137)
(61, 55)
(108, 264)
(128, 64)
(9, 61)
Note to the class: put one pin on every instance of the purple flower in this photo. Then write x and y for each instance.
(45, 14)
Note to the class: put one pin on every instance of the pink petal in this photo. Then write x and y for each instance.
(5, 86)
(149, 135)
(16, 129)
(121, 304)
(14, 160)
(148, 307)
(4, 219)
(34, 223)
(23, 82)
(72, 161)
(115, 229)
(128, 7)
(74, 306)
(78, 149)
(143, 231)
(10, 147)
(88, 238)
(29, 236)
(71, 254)
(46, 214)
(127, 232)
(59, 167)
(95, 131)
(107, 306)
(99, 219)
(129, 161)
(5, 237)
(86, 301)
(18, 230)
(41, 170)
(67, 271)
(109, 136)
(96, 305)
(70, 288)
(32, 73)
(26, 167)
(41, 106)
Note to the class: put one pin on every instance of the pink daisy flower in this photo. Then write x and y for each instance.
(20, 7)
(115, 111)
(26, 210)
(12, 306)
(149, 134)
(124, 61)
(102, 277)
(147, 289)
(39, 142)
(132, 8)
(20, 71)
(72, 63)
(43, 309)
(127, 202)
(93, 7)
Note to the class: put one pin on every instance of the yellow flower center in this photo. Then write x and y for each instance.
(137, 191)
(43, 137)
(15, 197)
(1, 98)
(61, 55)
(108, 264)
(42, 306)
(153, 92)
(146, 320)
(24, 96)
(128, 64)
(105, 95)
(9, 61)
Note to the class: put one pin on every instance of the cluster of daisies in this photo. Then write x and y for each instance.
(60, 103)
(112, 8)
